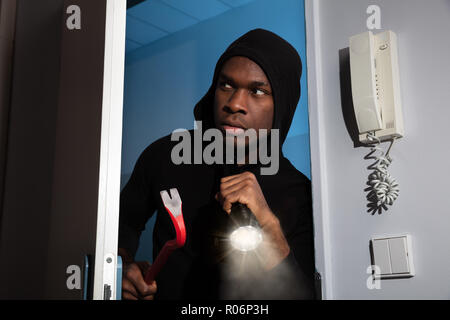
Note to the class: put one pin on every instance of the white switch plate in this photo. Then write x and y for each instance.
(381, 256)
(393, 256)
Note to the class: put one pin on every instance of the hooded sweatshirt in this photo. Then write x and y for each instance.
(204, 268)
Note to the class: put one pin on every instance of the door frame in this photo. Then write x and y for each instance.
(105, 270)
(316, 110)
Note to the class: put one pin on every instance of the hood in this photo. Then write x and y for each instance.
(282, 66)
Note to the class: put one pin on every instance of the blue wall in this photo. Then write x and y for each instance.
(164, 81)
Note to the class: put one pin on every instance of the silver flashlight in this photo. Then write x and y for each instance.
(247, 235)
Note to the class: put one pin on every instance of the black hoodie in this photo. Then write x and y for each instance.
(197, 270)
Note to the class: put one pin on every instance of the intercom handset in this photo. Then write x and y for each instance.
(376, 86)
(378, 110)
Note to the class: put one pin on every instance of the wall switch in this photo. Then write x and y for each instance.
(381, 255)
(393, 256)
(399, 255)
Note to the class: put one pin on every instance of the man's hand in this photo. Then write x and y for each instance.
(133, 283)
(244, 188)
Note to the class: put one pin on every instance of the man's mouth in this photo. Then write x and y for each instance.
(233, 130)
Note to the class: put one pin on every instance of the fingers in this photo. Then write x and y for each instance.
(134, 286)
(237, 188)
(234, 185)
(134, 275)
(152, 290)
(226, 179)
(128, 290)
(232, 197)
(238, 192)
(230, 180)
(236, 182)
(244, 188)
(128, 296)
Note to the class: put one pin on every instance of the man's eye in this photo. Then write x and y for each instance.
(225, 85)
(258, 92)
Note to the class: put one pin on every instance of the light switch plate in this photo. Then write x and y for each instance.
(381, 256)
(399, 255)
(393, 256)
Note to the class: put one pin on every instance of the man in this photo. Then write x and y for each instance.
(256, 85)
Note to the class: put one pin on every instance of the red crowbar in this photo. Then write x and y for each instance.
(172, 204)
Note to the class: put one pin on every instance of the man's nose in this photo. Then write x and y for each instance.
(237, 101)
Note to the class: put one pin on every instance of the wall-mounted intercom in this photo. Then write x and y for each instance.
(375, 85)
(377, 104)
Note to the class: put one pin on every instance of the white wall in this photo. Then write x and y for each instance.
(339, 172)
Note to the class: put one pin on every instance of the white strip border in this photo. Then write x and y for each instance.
(318, 148)
(110, 149)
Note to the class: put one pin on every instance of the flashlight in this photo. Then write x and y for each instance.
(247, 235)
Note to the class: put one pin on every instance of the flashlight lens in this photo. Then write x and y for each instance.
(246, 238)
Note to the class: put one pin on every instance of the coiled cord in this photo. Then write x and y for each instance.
(383, 189)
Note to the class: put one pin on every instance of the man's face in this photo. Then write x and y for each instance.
(243, 97)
